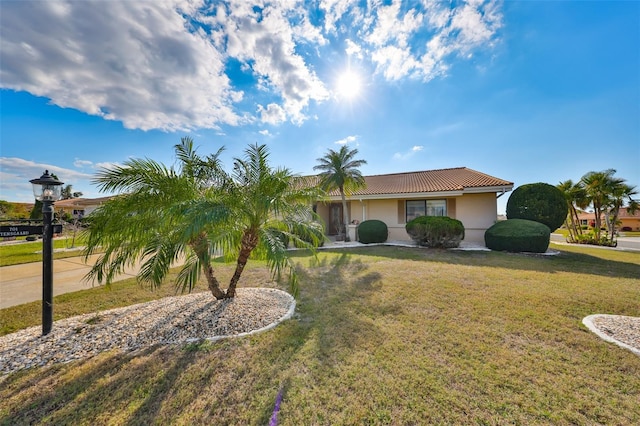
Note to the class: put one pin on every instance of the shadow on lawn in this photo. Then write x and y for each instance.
(203, 382)
(565, 261)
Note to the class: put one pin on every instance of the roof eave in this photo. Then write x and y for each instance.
(435, 194)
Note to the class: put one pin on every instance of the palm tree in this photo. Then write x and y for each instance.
(195, 212)
(621, 192)
(268, 209)
(576, 198)
(339, 170)
(599, 187)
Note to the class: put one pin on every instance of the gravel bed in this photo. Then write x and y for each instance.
(622, 330)
(169, 320)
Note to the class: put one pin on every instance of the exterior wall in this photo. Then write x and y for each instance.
(477, 212)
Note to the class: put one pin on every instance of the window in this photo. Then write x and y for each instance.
(415, 208)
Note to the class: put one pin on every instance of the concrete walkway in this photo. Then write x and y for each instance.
(23, 283)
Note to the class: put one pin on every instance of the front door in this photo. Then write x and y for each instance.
(335, 219)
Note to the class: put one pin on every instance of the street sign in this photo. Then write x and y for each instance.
(24, 230)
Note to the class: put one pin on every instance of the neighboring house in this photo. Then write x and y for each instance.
(625, 220)
(460, 193)
(79, 207)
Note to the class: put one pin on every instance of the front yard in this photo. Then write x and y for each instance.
(382, 335)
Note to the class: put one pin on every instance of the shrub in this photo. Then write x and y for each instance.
(626, 229)
(591, 239)
(518, 235)
(372, 231)
(539, 202)
(436, 231)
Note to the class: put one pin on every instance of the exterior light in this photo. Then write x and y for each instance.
(47, 189)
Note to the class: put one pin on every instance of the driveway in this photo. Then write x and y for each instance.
(23, 283)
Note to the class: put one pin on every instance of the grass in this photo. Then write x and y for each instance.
(381, 335)
(25, 252)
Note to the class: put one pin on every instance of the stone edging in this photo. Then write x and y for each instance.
(588, 322)
(283, 318)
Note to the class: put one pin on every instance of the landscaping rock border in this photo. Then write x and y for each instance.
(621, 330)
(170, 320)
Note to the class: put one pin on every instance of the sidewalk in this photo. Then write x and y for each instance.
(23, 283)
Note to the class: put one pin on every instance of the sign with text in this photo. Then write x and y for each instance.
(24, 230)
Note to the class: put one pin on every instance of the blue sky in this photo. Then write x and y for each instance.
(524, 91)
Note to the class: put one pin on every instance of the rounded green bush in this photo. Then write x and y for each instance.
(539, 202)
(518, 235)
(436, 231)
(372, 231)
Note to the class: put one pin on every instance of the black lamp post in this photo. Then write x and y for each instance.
(47, 189)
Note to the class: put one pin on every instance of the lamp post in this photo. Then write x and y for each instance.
(47, 189)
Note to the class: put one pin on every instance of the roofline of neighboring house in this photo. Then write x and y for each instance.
(436, 194)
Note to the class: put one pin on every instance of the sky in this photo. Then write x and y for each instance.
(527, 91)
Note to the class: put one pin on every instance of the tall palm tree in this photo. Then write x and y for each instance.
(268, 209)
(621, 193)
(195, 212)
(576, 198)
(599, 187)
(339, 170)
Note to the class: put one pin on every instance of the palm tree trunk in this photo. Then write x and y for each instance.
(598, 223)
(345, 214)
(212, 282)
(576, 220)
(201, 247)
(249, 242)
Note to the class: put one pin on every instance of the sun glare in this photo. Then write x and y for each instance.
(348, 85)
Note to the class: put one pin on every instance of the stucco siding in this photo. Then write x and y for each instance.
(477, 212)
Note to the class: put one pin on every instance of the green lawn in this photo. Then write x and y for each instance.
(25, 252)
(381, 335)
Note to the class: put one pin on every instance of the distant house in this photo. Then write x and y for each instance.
(461, 193)
(627, 221)
(80, 207)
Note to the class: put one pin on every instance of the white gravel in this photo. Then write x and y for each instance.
(169, 320)
(618, 329)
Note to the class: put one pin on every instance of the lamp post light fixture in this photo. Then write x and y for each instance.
(48, 190)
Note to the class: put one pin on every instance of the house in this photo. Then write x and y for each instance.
(460, 193)
(626, 220)
(80, 207)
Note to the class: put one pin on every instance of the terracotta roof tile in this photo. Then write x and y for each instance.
(455, 179)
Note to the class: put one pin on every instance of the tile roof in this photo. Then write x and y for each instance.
(443, 180)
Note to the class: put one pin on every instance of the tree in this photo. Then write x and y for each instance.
(196, 212)
(576, 198)
(599, 187)
(6, 209)
(539, 202)
(339, 170)
(67, 193)
(620, 193)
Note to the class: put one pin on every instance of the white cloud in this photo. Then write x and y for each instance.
(410, 153)
(266, 40)
(272, 114)
(353, 49)
(82, 163)
(136, 62)
(163, 65)
(17, 172)
(264, 132)
(346, 140)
